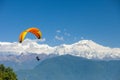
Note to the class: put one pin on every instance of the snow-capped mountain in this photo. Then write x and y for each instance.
(83, 48)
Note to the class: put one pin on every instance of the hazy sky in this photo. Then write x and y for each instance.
(62, 21)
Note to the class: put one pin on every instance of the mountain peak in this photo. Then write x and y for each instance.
(89, 44)
(85, 41)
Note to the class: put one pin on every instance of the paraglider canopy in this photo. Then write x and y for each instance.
(34, 31)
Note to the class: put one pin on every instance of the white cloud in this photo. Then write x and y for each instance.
(42, 40)
(58, 31)
(82, 38)
(60, 38)
(83, 48)
(67, 34)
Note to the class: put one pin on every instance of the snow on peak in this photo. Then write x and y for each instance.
(84, 48)
(88, 43)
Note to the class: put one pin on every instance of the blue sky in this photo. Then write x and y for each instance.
(67, 20)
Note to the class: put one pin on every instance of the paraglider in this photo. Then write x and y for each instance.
(37, 58)
(34, 31)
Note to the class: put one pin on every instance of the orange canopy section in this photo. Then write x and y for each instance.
(34, 31)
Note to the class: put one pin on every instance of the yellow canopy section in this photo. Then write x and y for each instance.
(34, 31)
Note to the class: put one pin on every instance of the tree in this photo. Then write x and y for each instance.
(7, 73)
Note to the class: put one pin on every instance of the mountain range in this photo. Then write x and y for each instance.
(83, 60)
(67, 67)
(83, 48)
(20, 55)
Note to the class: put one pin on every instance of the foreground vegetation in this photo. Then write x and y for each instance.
(7, 73)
